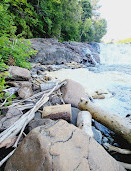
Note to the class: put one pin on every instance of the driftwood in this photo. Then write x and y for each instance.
(57, 112)
(116, 149)
(21, 123)
(84, 120)
(15, 103)
(114, 122)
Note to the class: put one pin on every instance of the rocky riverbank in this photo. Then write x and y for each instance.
(50, 52)
(52, 144)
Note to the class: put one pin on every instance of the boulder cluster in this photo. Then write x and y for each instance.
(53, 141)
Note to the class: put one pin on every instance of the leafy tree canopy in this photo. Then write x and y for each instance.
(77, 20)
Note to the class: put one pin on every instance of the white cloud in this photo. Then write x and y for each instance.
(118, 16)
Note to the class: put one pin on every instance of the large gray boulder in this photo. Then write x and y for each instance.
(50, 51)
(60, 146)
(72, 92)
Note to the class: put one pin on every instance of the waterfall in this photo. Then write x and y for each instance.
(115, 53)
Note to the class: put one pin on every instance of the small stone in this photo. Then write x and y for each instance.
(38, 115)
(74, 114)
(25, 92)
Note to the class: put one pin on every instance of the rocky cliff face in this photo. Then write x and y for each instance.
(50, 51)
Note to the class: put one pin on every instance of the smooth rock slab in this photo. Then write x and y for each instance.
(60, 146)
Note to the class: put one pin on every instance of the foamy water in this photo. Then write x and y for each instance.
(115, 53)
(113, 81)
(114, 75)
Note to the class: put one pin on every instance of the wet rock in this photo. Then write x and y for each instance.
(60, 146)
(74, 112)
(96, 57)
(97, 135)
(19, 73)
(72, 92)
(103, 129)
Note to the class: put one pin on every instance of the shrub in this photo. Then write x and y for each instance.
(15, 52)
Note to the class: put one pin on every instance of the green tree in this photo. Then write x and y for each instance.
(51, 13)
(86, 21)
(7, 25)
(22, 15)
(71, 20)
(99, 27)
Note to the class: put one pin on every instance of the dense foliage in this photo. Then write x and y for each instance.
(15, 52)
(75, 20)
(62, 19)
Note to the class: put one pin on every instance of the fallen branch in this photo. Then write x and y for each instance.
(27, 117)
(7, 157)
(116, 149)
(114, 122)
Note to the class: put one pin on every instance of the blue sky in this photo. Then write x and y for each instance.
(118, 16)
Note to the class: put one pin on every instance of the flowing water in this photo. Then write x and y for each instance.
(114, 74)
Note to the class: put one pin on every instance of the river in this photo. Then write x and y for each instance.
(113, 74)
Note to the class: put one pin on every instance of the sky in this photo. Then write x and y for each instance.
(118, 16)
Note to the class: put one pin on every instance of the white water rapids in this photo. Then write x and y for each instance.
(114, 75)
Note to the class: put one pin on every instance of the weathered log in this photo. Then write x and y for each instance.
(57, 112)
(84, 120)
(116, 123)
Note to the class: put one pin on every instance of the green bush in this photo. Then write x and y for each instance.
(17, 51)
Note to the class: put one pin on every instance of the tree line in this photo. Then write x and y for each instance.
(66, 20)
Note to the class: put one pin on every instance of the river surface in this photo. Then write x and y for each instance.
(114, 75)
